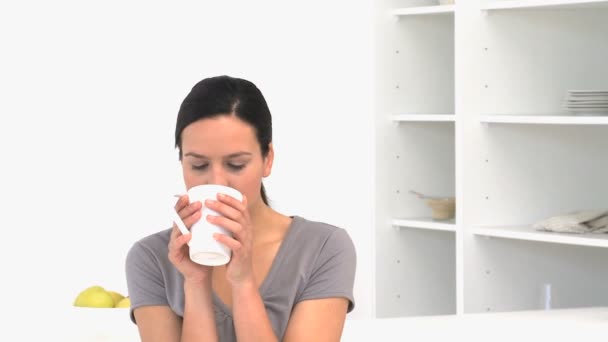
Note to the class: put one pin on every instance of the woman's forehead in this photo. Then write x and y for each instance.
(220, 135)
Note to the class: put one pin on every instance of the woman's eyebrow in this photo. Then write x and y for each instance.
(238, 154)
(232, 155)
(195, 155)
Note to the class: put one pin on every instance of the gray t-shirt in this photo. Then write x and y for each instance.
(315, 260)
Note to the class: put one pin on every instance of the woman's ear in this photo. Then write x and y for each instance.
(268, 161)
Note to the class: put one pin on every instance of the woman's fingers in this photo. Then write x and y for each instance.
(233, 202)
(181, 203)
(178, 240)
(227, 206)
(175, 232)
(224, 222)
(176, 250)
(190, 213)
(231, 243)
(192, 219)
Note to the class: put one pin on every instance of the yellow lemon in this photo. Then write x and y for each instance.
(117, 297)
(94, 288)
(94, 297)
(124, 303)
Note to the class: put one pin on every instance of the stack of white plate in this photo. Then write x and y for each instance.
(587, 102)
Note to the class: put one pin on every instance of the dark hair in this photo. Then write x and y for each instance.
(225, 95)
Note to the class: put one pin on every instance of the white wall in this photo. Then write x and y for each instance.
(89, 94)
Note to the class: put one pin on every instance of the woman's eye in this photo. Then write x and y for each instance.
(200, 167)
(236, 166)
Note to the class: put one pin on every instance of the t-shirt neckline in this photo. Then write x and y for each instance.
(276, 264)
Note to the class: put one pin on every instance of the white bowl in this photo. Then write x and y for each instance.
(100, 324)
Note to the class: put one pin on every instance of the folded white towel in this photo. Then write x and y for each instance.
(600, 224)
(583, 221)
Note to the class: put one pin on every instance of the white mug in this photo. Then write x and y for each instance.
(204, 249)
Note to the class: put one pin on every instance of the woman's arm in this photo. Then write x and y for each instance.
(319, 320)
(161, 324)
(321, 308)
(157, 323)
(199, 318)
(251, 321)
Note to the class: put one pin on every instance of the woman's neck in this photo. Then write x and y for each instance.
(260, 215)
(265, 220)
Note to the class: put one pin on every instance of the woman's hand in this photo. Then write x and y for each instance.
(179, 254)
(236, 220)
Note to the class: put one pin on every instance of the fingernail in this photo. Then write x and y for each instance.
(221, 196)
(216, 236)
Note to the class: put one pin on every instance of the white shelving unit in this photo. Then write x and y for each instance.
(424, 10)
(528, 233)
(509, 153)
(423, 117)
(543, 4)
(415, 150)
(425, 223)
(545, 119)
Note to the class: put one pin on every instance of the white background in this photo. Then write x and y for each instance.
(89, 93)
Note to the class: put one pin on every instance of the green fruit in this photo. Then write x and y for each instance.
(94, 297)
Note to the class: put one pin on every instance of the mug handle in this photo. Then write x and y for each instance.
(178, 221)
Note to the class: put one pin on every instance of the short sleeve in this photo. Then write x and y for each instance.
(333, 273)
(144, 279)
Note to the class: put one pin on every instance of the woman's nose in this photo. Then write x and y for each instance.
(218, 176)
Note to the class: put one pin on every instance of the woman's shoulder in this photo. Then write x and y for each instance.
(327, 259)
(324, 235)
(155, 243)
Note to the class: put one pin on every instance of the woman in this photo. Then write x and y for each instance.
(289, 278)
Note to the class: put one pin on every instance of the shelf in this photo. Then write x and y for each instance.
(544, 4)
(423, 10)
(545, 119)
(423, 118)
(580, 324)
(425, 223)
(530, 234)
(450, 117)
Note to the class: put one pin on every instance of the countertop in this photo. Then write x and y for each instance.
(573, 325)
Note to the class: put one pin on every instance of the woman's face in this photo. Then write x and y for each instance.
(224, 150)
